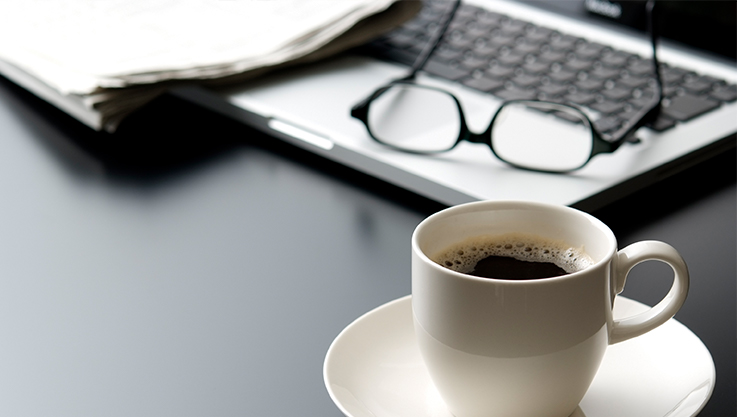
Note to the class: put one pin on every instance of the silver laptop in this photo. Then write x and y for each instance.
(310, 106)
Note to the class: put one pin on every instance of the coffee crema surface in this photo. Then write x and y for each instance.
(513, 256)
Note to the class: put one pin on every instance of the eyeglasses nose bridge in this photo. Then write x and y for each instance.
(473, 137)
(476, 137)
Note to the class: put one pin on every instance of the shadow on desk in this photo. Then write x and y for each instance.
(168, 138)
(165, 138)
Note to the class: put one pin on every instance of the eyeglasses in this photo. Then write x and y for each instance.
(544, 136)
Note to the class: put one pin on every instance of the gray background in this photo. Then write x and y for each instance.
(190, 266)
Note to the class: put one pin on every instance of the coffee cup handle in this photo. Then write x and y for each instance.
(626, 259)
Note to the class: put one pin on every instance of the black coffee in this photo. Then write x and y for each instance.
(513, 256)
(503, 267)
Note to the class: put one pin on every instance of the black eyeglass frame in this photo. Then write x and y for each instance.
(602, 143)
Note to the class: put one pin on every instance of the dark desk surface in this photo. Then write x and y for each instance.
(188, 266)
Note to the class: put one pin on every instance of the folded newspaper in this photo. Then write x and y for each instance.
(101, 60)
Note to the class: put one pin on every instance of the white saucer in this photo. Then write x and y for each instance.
(374, 369)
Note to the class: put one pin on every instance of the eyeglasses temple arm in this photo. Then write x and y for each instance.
(654, 111)
(428, 50)
(654, 34)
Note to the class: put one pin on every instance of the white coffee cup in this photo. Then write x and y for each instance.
(511, 348)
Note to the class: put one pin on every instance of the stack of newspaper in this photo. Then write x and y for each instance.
(100, 60)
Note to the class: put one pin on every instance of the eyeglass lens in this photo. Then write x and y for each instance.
(416, 119)
(542, 136)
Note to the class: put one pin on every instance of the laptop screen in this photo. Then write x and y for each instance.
(704, 25)
(708, 26)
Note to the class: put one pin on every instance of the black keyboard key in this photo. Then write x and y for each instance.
(641, 66)
(589, 50)
(589, 84)
(715, 81)
(562, 76)
(473, 31)
(489, 18)
(642, 101)
(537, 34)
(483, 83)
(581, 98)
(553, 90)
(458, 24)
(534, 67)
(672, 90)
(725, 93)
(661, 123)
(617, 59)
(578, 64)
(403, 56)
(607, 124)
(633, 81)
(500, 71)
(499, 39)
(512, 93)
(438, 6)
(511, 59)
(562, 42)
(484, 49)
(617, 93)
(466, 11)
(686, 107)
(671, 75)
(608, 107)
(472, 61)
(446, 53)
(417, 26)
(403, 39)
(513, 26)
(447, 70)
(603, 73)
(526, 80)
(697, 86)
(457, 40)
(550, 56)
(524, 47)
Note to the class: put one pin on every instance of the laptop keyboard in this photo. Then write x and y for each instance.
(514, 59)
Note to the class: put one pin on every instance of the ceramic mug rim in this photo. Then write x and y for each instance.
(489, 205)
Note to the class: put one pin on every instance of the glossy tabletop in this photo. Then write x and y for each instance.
(190, 266)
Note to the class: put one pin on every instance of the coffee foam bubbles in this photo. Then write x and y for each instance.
(462, 257)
